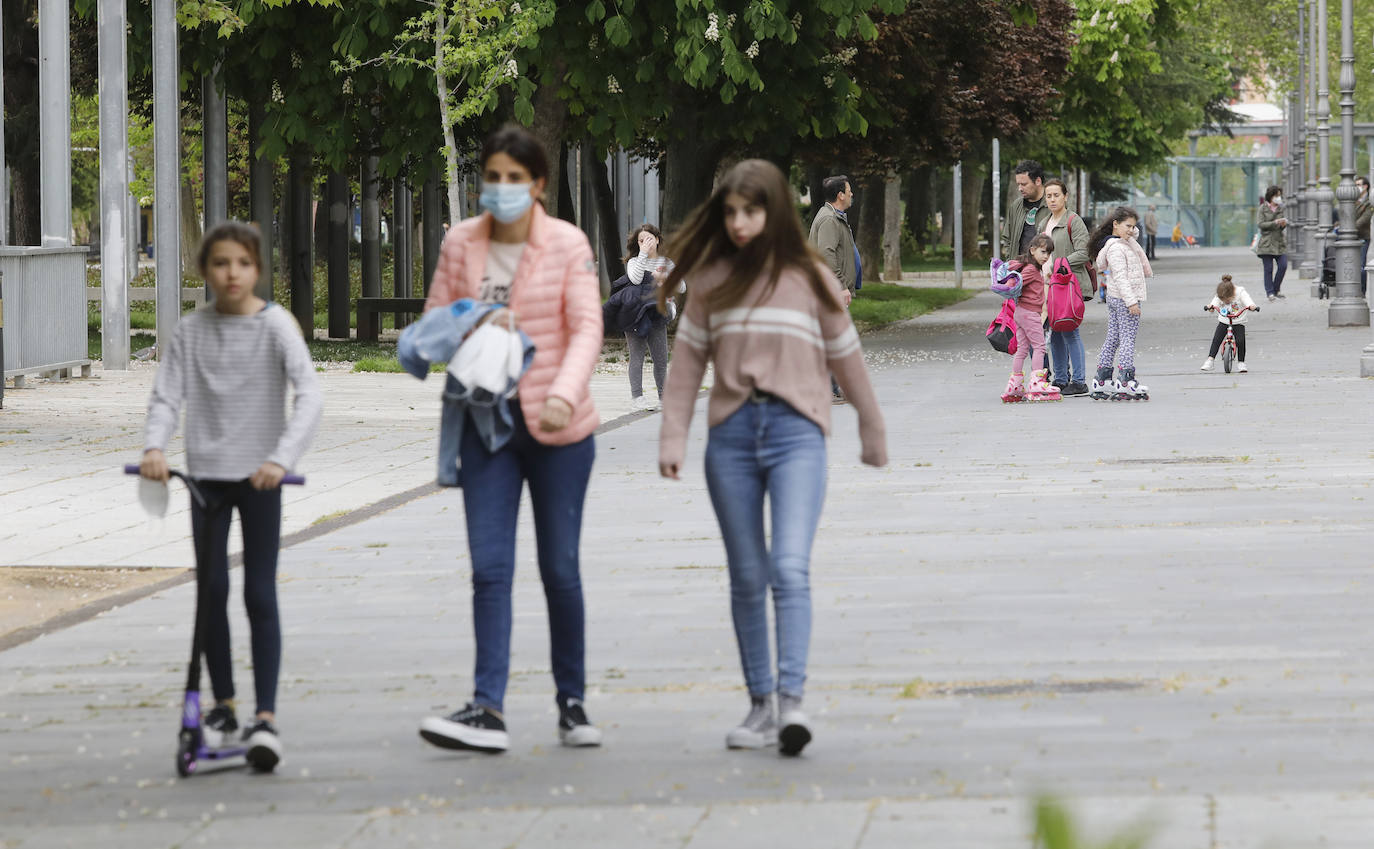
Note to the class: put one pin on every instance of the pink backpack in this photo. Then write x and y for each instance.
(1002, 332)
(1065, 303)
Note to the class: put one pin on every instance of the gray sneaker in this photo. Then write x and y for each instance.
(796, 728)
(759, 728)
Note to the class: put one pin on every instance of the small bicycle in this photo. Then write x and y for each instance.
(1228, 345)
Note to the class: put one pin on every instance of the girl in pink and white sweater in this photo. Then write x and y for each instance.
(766, 312)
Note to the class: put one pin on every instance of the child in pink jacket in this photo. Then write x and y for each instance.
(540, 268)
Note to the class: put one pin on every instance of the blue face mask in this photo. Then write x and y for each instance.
(506, 202)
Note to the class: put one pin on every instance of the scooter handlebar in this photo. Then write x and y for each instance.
(288, 480)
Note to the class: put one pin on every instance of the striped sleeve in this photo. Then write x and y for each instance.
(845, 357)
(307, 404)
(691, 349)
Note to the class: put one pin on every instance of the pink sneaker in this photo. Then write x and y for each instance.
(1015, 391)
(1041, 389)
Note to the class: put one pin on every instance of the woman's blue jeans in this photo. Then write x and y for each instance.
(1066, 355)
(767, 448)
(492, 484)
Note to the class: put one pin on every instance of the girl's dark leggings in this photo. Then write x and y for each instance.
(260, 517)
(1220, 335)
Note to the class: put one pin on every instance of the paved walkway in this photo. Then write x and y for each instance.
(1155, 610)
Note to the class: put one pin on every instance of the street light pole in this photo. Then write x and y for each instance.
(1324, 193)
(1309, 206)
(1348, 308)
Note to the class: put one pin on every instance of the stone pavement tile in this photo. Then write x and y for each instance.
(796, 825)
(948, 824)
(1294, 821)
(448, 828)
(1009, 823)
(160, 834)
(281, 831)
(601, 827)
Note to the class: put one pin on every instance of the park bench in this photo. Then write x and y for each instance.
(370, 310)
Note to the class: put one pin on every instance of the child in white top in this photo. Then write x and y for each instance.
(1230, 304)
(228, 365)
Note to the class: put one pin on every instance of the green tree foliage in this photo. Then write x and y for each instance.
(1142, 74)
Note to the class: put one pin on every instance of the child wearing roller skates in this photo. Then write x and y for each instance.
(229, 365)
(1113, 247)
(1030, 328)
(1230, 304)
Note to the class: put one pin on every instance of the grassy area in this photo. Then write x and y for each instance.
(880, 303)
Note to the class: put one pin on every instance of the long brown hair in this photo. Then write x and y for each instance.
(782, 244)
(1226, 290)
(632, 243)
(1103, 232)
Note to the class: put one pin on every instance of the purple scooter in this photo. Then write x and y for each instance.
(191, 745)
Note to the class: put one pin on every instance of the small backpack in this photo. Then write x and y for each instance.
(1002, 332)
(1005, 282)
(1064, 303)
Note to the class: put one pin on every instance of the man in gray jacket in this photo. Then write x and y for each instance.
(1025, 213)
(831, 236)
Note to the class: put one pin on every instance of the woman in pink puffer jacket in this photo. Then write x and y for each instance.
(541, 269)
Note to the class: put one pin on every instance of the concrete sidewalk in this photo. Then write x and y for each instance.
(65, 501)
(1155, 610)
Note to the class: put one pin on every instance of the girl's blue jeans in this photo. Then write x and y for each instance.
(1066, 355)
(492, 484)
(767, 448)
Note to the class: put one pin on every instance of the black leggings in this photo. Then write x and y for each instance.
(260, 516)
(1221, 335)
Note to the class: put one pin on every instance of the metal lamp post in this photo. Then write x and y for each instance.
(1348, 308)
(1310, 251)
(1324, 194)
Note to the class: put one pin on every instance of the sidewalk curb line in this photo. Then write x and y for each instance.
(67, 619)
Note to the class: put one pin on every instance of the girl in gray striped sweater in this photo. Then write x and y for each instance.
(228, 364)
(766, 311)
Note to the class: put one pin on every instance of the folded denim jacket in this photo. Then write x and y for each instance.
(435, 338)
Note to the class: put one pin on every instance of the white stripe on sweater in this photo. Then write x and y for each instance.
(843, 345)
(768, 315)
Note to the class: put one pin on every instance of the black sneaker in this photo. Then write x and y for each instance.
(1074, 388)
(220, 724)
(476, 728)
(1061, 386)
(264, 746)
(574, 728)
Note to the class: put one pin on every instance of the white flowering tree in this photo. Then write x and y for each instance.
(469, 47)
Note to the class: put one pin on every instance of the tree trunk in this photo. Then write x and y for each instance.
(892, 229)
(918, 206)
(690, 167)
(868, 233)
(974, 178)
(567, 207)
(321, 213)
(190, 226)
(608, 222)
(19, 51)
(550, 122)
(339, 306)
(260, 173)
(302, 185)
(942, 184)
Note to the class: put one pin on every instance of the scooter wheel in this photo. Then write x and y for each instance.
(186, 756)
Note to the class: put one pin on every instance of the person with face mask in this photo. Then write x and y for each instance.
(1272, 248)
(540, 270)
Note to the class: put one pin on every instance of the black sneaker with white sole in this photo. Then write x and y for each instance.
(220, 725)
(475, 728)
(264, 746)
(574, 728)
